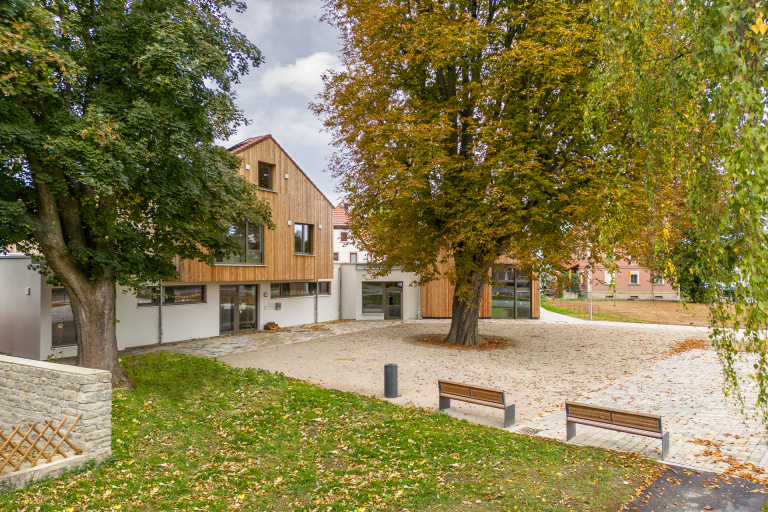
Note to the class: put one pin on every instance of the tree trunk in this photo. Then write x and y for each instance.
(94, 311)
(465, 314)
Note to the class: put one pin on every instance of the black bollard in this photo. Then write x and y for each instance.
(390, 381)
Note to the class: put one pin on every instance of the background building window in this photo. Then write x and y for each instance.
(634, 277)
(658, 281)
(335, 256)
(303, 238)
(353, 257)
(249, 238)
(324, 288)
(266, 175)
(62, 319)
(343, 236)
(608, 277)
(292, 289)
(188, 294)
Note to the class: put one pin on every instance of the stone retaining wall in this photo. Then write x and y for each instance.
(36, 391)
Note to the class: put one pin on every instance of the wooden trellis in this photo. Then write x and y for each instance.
(35, 444)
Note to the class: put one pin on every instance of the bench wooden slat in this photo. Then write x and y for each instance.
(472, 400)
(630, 422)
(441, 382)
(618, 428)
(569, 403)
(588, 413)
(454, 389)
(488, 396)
(480, 395)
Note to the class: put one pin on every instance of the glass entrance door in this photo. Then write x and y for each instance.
(512, 297)
(394, 305)
(237, 307)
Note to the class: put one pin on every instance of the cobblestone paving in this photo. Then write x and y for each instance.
(686, 390)
(220, 346)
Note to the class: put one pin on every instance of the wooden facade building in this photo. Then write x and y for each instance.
(516, 297)
(294, 199)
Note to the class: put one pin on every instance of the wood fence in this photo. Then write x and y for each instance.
(35, 444)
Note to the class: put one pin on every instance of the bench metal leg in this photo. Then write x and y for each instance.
(509, 416)
(570, 431)
(664, 445)
(445, 403)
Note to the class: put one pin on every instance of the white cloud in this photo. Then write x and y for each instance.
(303, 76)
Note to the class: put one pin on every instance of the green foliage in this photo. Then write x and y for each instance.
(695, 74)
(199, 434)
(108, 122)
(688, 266)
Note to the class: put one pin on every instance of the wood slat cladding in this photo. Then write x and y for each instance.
(437, 296)
(294, 199)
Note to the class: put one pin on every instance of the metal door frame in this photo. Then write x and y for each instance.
(236, 319)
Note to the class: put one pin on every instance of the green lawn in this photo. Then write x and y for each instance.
(580, 309)
(198, 435)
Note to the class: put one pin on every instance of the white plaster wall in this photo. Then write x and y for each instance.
(350, 288)
(139, 325)
(352, 293)
(20, 314)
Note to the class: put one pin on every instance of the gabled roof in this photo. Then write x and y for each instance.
(249, 143)
(340, 219)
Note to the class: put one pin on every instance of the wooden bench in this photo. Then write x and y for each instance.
(615, 419)
(479, 395)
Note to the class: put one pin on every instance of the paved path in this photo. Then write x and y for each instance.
(707, 432)
(220, 346)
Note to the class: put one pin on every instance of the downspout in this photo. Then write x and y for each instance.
(160, 316)
(418, 304)
(341, 303)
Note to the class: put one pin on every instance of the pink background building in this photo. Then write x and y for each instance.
(629, 281)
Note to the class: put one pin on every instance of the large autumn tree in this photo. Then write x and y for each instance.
(704, 64)
(460, 137)
(108, 164)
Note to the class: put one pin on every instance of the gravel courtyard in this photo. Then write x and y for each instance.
(545, 365)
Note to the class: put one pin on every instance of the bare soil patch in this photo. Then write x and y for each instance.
(489, 343)
(649, 311)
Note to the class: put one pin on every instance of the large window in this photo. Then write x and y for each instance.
(293, 289)
(303, 238)
(374, 295)
(190, 294)
(511, 295)
(250, 240)
(266, 175)
(62, 319)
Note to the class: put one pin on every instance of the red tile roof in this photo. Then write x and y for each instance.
(247, 143)
(340, 219)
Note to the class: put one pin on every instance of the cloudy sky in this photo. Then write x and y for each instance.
(297, 48)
